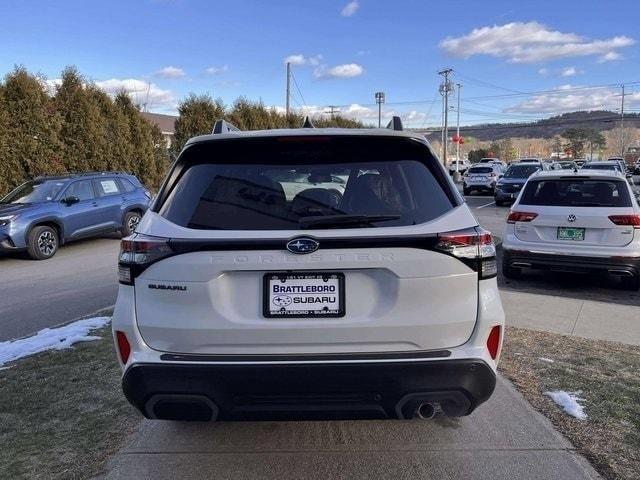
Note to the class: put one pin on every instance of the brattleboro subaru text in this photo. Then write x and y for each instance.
(308, 274)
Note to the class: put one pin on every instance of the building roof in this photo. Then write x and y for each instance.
(166, 123)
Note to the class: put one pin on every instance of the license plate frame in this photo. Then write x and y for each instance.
(337, 279)
(561, 234)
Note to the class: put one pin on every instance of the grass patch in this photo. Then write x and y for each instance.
(62, 413)
(608, 375)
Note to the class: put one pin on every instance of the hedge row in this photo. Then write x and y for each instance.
(77, 127)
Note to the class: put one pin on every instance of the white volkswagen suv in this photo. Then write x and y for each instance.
(581, 222)
(366, 290)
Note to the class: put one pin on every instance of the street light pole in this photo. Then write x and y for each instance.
(379, 100)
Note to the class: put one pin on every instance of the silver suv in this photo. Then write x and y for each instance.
(309, 273)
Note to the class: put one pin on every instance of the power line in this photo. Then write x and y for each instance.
(483, 83)
(295, 83)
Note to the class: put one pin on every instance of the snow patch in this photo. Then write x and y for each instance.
(51, 339)
(544, 359)
(569, 402)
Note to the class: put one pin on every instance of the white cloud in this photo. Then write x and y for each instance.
(543, 71)
(610, 57)
(299, 59)
(170, 72)
(217, 70)
(350, 9)
(140, 91)
(530, 42)
(568, 98)
(348, 70)
(570, 72)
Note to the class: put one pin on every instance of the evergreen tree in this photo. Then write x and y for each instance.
(83, 128)
(31, 144)
(197, 115)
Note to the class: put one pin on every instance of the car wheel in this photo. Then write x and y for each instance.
(499, 203)
(466, 191)
(43, 242)
(510, 272)
(131, 221)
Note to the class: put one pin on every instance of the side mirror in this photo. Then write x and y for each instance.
(501, 175)
(70, 200)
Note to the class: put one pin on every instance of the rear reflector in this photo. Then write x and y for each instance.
(493, 342)
(626, 220)
(520, 216)
(124, 349)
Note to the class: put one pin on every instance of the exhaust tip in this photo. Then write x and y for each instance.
(194, 408)
(425, 411)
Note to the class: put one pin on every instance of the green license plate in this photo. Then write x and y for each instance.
(568, 233)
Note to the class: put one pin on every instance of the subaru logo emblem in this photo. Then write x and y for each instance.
(571, 218)
(303, 245)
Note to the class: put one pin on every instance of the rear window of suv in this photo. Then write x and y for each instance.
(577, 193)
(481, 170)
(306, 183)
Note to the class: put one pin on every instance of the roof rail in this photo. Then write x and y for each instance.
(395, 124)
(307, 123)
(222, 126)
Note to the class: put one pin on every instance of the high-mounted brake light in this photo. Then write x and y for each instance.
(138, 252)
(474, 246)
(626, 220)
(515, 216)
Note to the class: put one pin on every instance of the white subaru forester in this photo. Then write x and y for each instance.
(308, 274)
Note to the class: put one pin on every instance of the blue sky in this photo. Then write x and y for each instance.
(160, 50)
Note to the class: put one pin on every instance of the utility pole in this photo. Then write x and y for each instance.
(332, 110)
(622, 124)
(445, 88)
(288, 87)
(379, 100)
(458, 132)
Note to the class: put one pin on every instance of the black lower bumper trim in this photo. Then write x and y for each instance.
(307, 391)
(625, 266)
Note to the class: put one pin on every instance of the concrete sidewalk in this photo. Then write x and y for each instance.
(504, 439)
(570, 316)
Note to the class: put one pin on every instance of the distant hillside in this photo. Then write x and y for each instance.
(547, 128)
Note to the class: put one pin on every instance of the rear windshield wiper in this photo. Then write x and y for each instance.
(342, 220)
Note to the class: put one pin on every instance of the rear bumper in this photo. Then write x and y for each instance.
(307, 391)
(622, 266)
(480, 186)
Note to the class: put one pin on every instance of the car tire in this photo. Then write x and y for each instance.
(510, 272)
(499, 203)
(43, 242)
(466, 191)
(131, 221)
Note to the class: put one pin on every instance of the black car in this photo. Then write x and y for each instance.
(509, 186)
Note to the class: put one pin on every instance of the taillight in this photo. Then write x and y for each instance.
(474, 246)
(626, 220)
(138, 252)
(124, 349)
(515, 216)
(493, 342)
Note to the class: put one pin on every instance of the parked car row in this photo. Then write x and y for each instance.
(44, 213)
